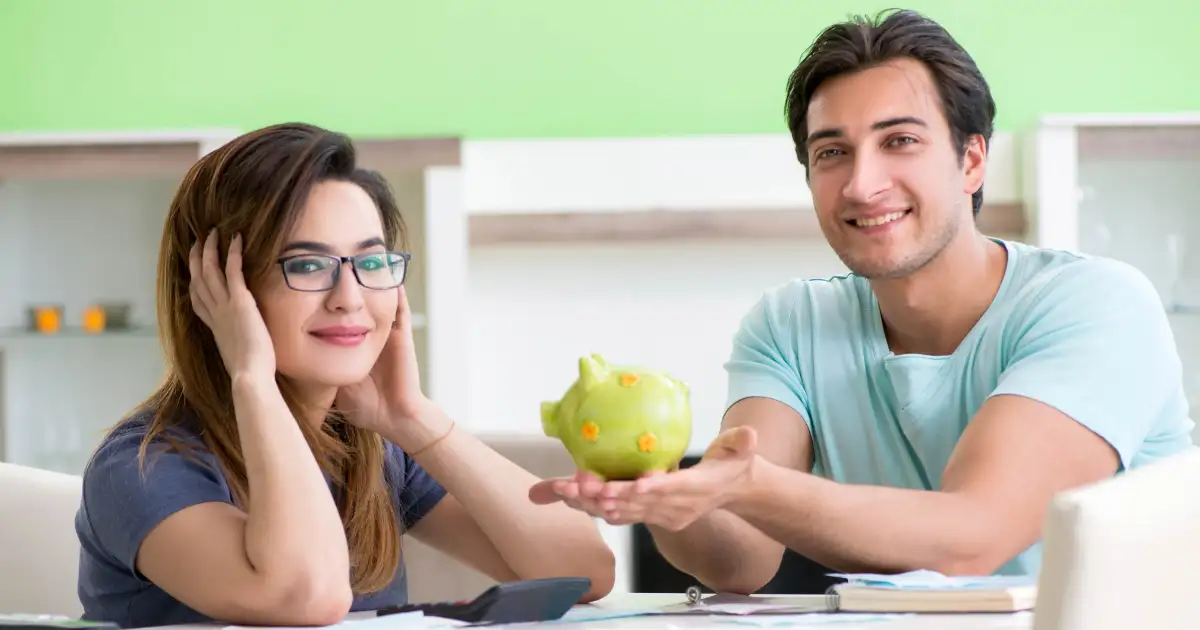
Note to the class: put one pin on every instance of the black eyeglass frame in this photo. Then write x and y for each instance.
(337, 270)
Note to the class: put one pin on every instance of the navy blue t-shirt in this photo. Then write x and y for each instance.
(120, 506)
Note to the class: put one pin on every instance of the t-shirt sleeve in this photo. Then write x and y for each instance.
(123, 501)
(762, 362)
(417, 492)
(1096, 345)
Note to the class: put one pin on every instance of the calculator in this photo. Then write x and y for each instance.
(509, 602)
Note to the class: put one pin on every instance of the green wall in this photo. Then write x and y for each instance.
(540, 68)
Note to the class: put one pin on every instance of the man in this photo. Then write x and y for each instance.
(921, 411)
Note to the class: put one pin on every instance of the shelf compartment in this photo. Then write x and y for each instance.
(1005, 220)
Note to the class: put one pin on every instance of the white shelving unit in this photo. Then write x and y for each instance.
(81, 217)
(1126, 187)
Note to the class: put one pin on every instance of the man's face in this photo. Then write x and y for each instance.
(889, 187)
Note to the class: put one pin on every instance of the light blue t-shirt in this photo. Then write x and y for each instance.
(1088, 336)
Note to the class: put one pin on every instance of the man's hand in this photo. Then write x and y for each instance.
(671, 501)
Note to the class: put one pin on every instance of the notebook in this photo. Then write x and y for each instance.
(913, 592)
(930, 591)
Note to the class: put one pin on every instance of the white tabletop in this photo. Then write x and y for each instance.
(641, 601)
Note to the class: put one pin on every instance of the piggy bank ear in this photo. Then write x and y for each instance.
(592, 371)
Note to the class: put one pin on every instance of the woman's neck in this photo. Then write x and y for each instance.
(312, 402)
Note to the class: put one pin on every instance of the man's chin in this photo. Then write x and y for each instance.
(887, 264)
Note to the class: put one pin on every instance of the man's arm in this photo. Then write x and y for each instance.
(1092, 369)
(1014, 456)
(722, 550)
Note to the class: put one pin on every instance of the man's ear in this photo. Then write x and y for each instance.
(974, 163)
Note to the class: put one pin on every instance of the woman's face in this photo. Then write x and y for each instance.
(328, 339)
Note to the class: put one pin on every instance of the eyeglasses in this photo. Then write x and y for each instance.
(320, 272)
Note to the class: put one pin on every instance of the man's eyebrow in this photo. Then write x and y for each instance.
(900, 120)
(822, 134)
(836, 132)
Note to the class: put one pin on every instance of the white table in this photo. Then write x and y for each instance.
(638, 601)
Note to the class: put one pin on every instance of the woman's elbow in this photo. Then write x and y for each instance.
(326, 609)
(307, 603)
(601, 569)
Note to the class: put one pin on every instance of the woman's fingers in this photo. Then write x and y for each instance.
(202, 301)
(211, 270)
(233, 267)
(198, 305)
(403, 310)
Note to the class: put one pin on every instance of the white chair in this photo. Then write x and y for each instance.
(39, 551)
(1124, 553)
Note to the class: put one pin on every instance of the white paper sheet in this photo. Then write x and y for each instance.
(811, 619)
(415, 620)
(919, 580)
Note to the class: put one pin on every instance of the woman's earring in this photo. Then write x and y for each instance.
(395, 324)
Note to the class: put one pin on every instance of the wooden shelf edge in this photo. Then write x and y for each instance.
(1006, 219)
(171, 155)
(1124, 144)
(407, 154)
(97, 161)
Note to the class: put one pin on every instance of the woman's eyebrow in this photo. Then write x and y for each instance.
(324, 248)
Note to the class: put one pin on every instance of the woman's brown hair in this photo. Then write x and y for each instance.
(257, 185)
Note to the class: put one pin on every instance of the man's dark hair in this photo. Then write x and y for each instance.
(862, 43)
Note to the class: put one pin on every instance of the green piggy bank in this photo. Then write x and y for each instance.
(621, 422)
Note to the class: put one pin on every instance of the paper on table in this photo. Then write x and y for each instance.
(810, 619)
(917, 580)
(730, 604)
(413, 620)
(584, 613)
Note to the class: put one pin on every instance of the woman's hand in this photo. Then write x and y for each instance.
(390, 401)
(225, 305)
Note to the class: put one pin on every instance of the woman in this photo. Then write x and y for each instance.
(269, 480)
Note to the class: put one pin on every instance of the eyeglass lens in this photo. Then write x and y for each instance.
(315, 272)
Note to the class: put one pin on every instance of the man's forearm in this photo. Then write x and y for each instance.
(722, 551)
(869, 528)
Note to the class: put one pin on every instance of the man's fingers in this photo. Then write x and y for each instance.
(566, 488)
(617, 489)
(545, 492)
(664, 483)
(589, 485)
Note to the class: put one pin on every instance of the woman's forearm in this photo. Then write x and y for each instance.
(294, 534)
(722, 551)
(534, 540)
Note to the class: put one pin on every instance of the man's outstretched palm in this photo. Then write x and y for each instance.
(671, 500)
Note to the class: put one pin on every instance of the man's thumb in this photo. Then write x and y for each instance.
(737, 442)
